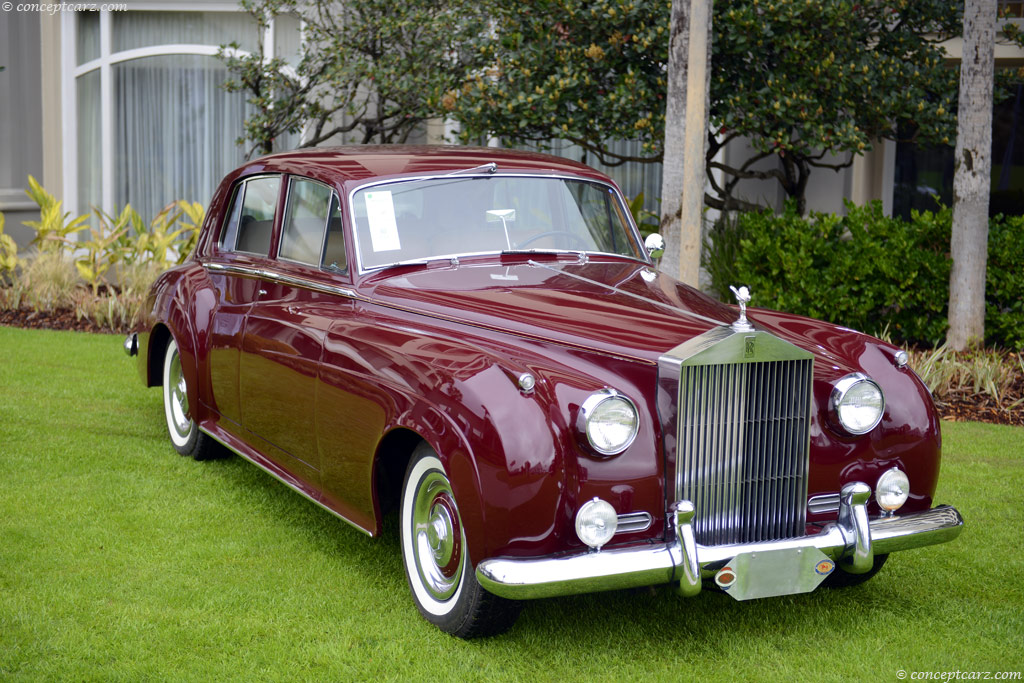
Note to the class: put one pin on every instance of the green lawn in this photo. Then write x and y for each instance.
(120, 560)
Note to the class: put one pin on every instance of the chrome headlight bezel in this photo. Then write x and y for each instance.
(590, 413)
(841, 391)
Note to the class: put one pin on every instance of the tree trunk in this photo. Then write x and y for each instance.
(683, 179)
(972, 179)
(675, 129)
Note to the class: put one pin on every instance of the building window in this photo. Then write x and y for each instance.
(153, 123)
(924, 173)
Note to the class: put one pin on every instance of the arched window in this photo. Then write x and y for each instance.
(147, 120)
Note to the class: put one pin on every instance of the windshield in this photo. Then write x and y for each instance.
(445, 217)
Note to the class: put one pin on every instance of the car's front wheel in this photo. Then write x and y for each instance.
(185, 435)
(436, 560)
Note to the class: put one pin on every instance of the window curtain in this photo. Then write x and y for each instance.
(90, 190)
(175, 130)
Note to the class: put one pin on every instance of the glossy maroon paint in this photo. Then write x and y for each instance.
(308, 384)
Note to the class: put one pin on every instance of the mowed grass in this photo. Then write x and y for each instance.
(120, 560)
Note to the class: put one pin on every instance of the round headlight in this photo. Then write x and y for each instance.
(857, 403)
(596, 522)
(610, 421)
(892, 489)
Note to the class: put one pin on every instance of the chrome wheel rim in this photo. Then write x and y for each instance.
(176, 408)
(437, 537)
(179, 398)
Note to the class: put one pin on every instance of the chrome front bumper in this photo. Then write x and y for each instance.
(852, 543)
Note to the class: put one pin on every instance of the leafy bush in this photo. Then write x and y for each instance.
(50, 279)
(118, 256)
(1004, 282)
(866, 270)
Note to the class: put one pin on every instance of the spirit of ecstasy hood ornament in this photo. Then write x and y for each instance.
(742, 298)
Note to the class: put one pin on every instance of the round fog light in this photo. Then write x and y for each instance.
(892, 490)
(596, 522)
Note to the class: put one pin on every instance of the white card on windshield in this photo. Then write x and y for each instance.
(380, 212)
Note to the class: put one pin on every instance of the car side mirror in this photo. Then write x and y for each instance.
(655, 245)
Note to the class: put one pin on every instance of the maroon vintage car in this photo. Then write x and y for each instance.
(479, 337)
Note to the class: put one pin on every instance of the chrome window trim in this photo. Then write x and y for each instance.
(623, 208)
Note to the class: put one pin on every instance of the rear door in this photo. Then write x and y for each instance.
(235, 268)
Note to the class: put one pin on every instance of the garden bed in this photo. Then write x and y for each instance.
(954, 403)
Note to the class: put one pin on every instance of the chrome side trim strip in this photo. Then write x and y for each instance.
(283, 278)
(684, 561)
(284, 481)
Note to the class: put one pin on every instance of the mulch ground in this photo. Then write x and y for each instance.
(961, 407)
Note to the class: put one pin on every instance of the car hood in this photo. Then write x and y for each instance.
(621, 308)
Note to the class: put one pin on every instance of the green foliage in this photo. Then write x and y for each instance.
(120, 243)
(799, 79)
(646, 221)
(373, 69)
(586, 71)
(1004, 281)
(867, 271)
(54, 227)
(49, 280)
(8, 252)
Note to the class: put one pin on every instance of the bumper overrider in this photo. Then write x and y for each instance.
(754, 570)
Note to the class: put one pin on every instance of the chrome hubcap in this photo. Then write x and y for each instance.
(180, 420)
(437, 536)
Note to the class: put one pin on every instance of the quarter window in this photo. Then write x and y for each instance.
(251, 219)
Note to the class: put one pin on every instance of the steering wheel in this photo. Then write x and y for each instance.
(574, 239)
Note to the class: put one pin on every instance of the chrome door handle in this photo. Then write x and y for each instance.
(262, 292)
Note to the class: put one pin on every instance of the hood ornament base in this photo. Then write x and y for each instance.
(742, 298)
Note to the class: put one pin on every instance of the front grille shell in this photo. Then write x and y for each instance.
(736, 408)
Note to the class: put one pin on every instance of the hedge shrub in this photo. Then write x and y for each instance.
(866, 270)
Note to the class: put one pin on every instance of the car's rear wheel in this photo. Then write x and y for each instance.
(185, 435)
(435, 556)
(842, 579)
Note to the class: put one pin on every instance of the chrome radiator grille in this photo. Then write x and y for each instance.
(743, 446)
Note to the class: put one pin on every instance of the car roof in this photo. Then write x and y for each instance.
(363, 162)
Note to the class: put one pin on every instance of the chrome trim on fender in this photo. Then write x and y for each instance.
(684, 561)
(277, 276)
(634, 522)
(823, 503)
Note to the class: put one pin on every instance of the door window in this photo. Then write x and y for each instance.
(305, 221)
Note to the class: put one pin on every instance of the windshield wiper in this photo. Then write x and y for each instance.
(489, 168)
